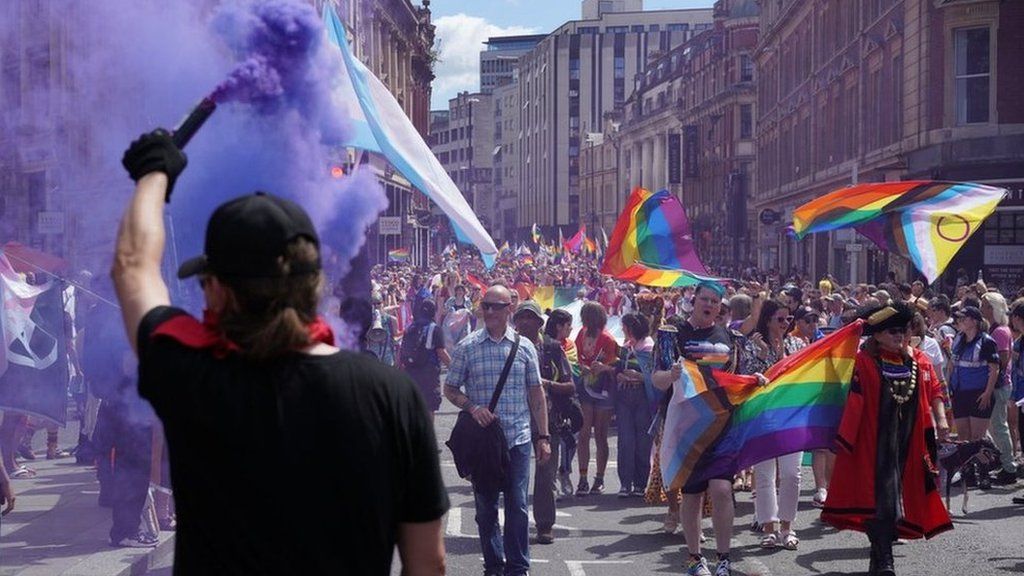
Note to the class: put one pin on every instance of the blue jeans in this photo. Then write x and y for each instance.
(633, 419)
(567, 453)
(508, 555)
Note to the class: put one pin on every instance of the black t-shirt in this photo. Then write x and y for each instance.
(304, 465)
(712, 347)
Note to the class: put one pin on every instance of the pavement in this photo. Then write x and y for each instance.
(58, 529)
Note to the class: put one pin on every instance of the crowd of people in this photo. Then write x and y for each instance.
(963, 348)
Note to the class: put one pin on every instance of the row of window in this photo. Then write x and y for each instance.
(639, 28)
(460, 155)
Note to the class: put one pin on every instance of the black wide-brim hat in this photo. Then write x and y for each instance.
(879, 318)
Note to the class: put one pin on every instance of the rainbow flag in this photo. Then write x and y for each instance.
(475, 281)
(924, 221)
(652, 243)
(550, 297)
(590, 244)
(577, 241)
(719, 423)
(398, 255)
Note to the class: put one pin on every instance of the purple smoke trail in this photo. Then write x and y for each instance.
(138, 64)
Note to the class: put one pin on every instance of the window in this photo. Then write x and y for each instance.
(746, 68)
(588, 30)
(679, 27)
(638, 28)
(972, 60)
(654, 28)
(616, 29)
(746, 121)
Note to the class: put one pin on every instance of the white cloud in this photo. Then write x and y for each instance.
(462, 39)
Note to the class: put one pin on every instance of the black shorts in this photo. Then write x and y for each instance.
(702, 486)
(965, 404)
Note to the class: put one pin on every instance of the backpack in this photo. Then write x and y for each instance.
(416, 350)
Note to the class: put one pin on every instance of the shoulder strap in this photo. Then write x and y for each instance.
(428, 337)
(504, 374)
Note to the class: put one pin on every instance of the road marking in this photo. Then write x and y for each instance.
(454, 527)
(576, 566)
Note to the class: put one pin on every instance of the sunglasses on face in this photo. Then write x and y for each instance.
(494, 306)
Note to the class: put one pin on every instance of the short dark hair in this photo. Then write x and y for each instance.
(556, 318)
(639, 327)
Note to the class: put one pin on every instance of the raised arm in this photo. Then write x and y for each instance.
(154, 162)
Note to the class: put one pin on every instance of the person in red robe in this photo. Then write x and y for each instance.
(884, 483)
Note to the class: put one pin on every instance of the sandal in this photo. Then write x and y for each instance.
(770, 540)
(790, 541)
(23, 472)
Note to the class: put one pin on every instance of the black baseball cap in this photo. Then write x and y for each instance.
(970, 312)
(246, 236)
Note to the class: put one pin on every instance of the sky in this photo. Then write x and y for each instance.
(463, 26)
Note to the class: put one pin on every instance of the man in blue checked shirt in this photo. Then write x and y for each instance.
(472, 378)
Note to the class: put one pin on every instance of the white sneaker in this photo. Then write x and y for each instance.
(137, 541)
(820, 495)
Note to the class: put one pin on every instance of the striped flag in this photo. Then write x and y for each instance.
(398, 255)
(926, 222)
(719, 423)
(475, 281)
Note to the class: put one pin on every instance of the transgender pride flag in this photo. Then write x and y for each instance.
(719, 423)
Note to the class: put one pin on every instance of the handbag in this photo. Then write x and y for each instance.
(481, 453)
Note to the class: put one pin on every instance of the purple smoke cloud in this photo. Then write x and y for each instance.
(139, 64)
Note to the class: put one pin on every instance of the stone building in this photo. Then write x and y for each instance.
(887, 90)
(577, 74)
(395, 40)
(463, 141)
(689, 128)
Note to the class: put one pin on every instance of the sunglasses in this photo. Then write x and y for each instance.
(494, 306)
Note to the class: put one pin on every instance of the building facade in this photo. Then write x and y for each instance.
(498, 60)
(393, 37)
(464, 144)
(567, 84)
(887, 90)
(395, 40)
(506, 161)
(689, 128)
(594, 9)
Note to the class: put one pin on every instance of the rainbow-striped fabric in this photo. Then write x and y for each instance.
(398, 255)
(719, 423)
(924, 221)
(652, 244)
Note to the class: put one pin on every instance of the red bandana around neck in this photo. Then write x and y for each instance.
(191, 333)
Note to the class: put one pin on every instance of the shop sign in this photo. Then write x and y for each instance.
(389, 225)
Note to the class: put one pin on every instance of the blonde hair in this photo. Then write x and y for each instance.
(1000, 311)
(268, 317)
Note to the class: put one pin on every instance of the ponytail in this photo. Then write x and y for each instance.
(268, 317)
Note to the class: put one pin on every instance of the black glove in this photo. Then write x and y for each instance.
(155, 152)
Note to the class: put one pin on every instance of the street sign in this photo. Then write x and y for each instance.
(50, 222)
(389, 225)
(769, 216)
